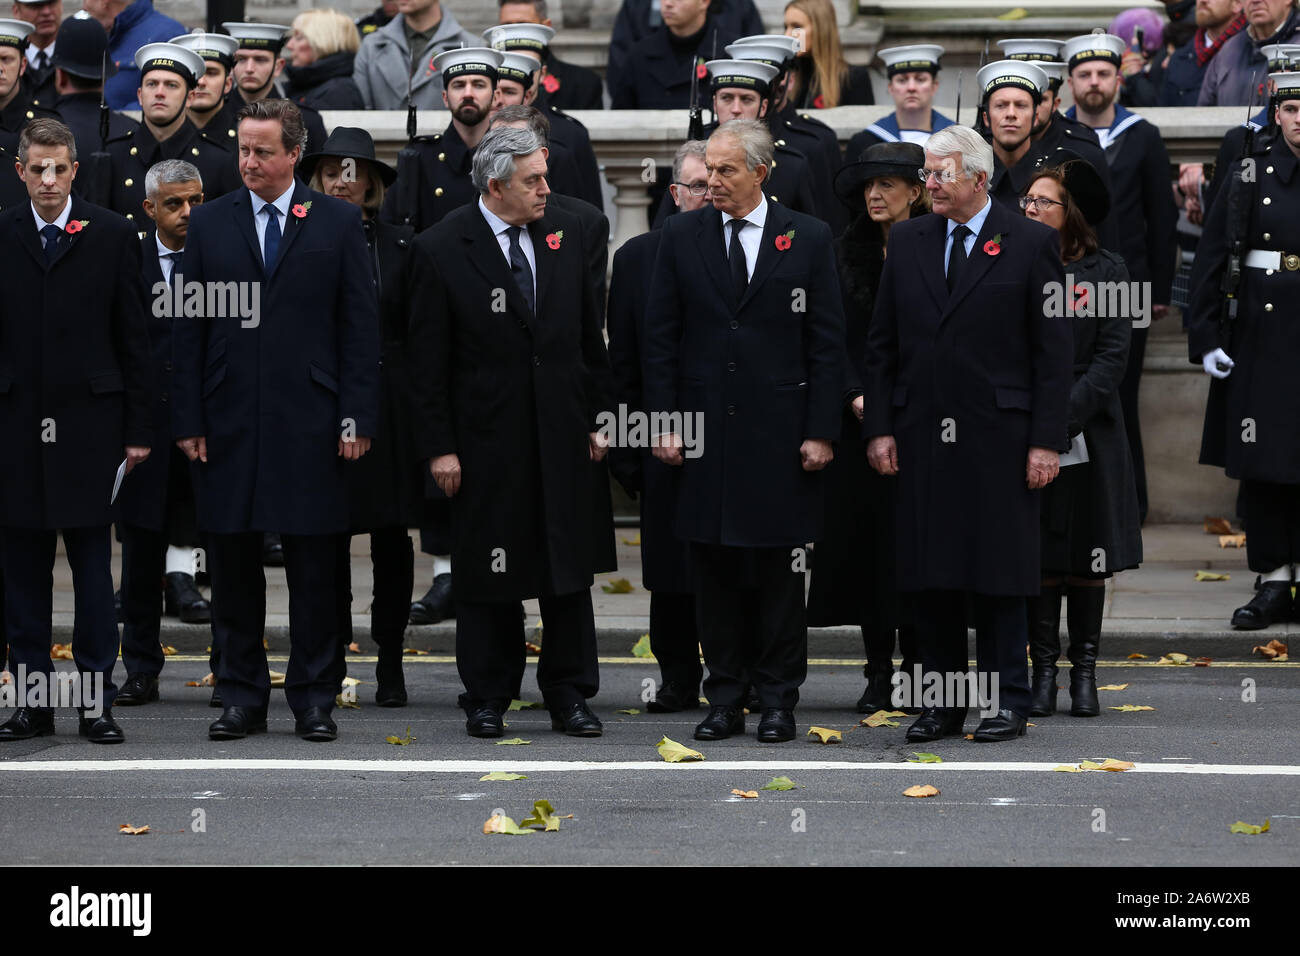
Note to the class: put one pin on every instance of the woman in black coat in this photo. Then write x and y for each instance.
(1089, 517)
(853, 563)
(821, 78)
(384, 486)
(318, 67)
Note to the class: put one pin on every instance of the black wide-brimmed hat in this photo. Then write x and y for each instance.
(1082, 182)
(883, 159)
(348, 142)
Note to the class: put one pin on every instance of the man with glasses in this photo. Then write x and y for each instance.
(968, 384)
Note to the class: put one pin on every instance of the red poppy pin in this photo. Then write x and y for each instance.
(819, 103)
(993, 246)
(701, 70)
(783, 241)
(75, 226)
(301, 209)
(553, 240)
(550, 83)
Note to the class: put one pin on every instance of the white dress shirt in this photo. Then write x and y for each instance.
(261, 219)
(751, 236)
(501, 229)
(975, 224)
(164, 263)
(61, 220)
(34, 55)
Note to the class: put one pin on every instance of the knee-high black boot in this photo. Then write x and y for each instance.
(1044, 648)
(1083, 617)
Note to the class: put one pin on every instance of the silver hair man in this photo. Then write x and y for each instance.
(170, 171)
(496, 154)
(754, 138)
(692, 147)
(976, 154)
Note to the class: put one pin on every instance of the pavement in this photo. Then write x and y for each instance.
(1157, 608)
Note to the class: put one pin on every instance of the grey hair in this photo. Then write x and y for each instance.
(518, 113)
(976, 153)
(539, 7)
(753, 137)
(692, 147)
(170, 171)
(496, 154)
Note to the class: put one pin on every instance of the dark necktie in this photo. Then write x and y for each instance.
(957, 258)
(51, 236)
(42, 61)
(271, 241)
(520, 269)
(175, 259)
(736, 257)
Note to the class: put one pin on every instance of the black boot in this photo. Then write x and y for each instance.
(388, 673)
(1271, 604)
(879, 671)
(1083, 611)
(1044, 649)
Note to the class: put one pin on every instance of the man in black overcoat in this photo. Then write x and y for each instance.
(273, 401)
(75, 401)
(968, 384)
(746, 338)
(510, 375)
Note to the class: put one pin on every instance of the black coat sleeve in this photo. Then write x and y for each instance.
(1204, 309)
(1094, 388)
(131, 340)
(625, 292)
(430, 331)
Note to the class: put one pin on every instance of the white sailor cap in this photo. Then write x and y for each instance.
(913, 58)
(1092, 46)
(791, 45)
(168, 56)
(1286, 86)
(468, 60)
(210, 46)
(744, 74)
(518, 67)
(1280, 55)
(527, 37)
(1017, 73)
(15, 32)
(1034, 49)
(258, 36)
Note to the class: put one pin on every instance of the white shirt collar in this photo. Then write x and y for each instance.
(976, 222)
(495, 222)
(61, 221)
(757, 217)
(163, 250)
(34, 52)
(281, 204)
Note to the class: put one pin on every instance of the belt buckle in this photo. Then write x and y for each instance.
(1291, 262)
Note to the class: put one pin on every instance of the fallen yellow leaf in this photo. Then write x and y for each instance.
(1019, 13)
(673, 752)
(1116, 765)
(642, 648)
(168, 650)
(1113, 687)
(1212, 576)
(826, 735)
(880, 719)
(413, 650)
(1248, 828)
(1232, 540)
(513, 742)
(747, 794)
(617, 586)
(503, 824)
(1066, 768)
(1130, 708)
(61, 652)
(1217, 525)
(277, 679)
(1137, 657)
(1175, 659)
(633, 542)
(400, 741)
(524, 705)
(1089, 765)
(129, 830)
(924, 790)
(630, 711)
(346, 702)
(502, 775)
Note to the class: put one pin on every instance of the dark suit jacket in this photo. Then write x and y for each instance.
(967, 383)
(75, 382)
(575, 87)
(274, 398)
(765, 373)
(514, 396)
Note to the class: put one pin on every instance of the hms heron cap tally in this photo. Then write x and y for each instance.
(467, 61)
(741, 74)
(1092, 46)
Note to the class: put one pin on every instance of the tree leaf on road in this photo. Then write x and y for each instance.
(617, 586)
(61, 652)
(513, 742)
(923, 790)
(1238, 827)
(1174, 659)
(1116, 765)
(642, 648)
(780, 783)
(1273, 650)
(1089, 765)
(524, 705)
(1212, 576)
(400, 741)
(341, 701)
(633, 542)
(1113, 687)
(630, 711)
(924, 758)
(129, 830)
(544, 816)
(1217, 525)
(1232, 540)
(502, 775)
(881, 719)
(414, 650)
(747, 794)
(503, 824)
(1129, 708)
(277, 679)
(825, 735)
(1066, 768)
(168, 650)
(1137, 657)
(673, 752)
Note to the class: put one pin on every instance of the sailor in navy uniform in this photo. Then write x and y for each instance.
(209, 107)
(17, 107)
(913, 73)
(257, 65)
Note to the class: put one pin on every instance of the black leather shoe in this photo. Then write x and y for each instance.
(182, 599)
(577, 720)
(391, 691)
(777, 726)
(672, 698)
(484, 721)
(138, 689)
(437, 603)
(315, 724)
(880, 687)
(272, 550)
(235, 723)
(721, 723)
(1272, 603)
(215, 699)
(1004, 725)
(100, 730)
(936, 722)
(28, 722)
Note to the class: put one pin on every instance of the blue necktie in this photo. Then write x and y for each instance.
(175, 258)
(519, 267)
(51, 236)
(271, 242)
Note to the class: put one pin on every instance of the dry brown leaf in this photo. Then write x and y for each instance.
(1232, 540)
(923, 790)
(1203, 662)
(826, 735)
(881, 719)
(1137, 657)
(277, 679)
(1174, 659)
(1129, 708)
(1116, 765)
(168, 650)
(354, 647)
(61, 652)
(532, 648)
(414, 650)
(1217, 525)
(1273, 650)
(969, 737)
(747, 794)
(1113, 687)
(130, 830)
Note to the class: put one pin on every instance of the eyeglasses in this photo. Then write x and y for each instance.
(1041, 203)
(943, 175)
(695, 189)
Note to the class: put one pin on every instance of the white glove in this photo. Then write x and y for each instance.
(1211, 362)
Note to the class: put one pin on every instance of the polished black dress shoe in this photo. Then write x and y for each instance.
(215, 699)
(1272, 603)
(272, 550)
(577, 720)
(100, 730)
(672, 698)
(236, 723)
(138, 689)
(437, 603)
(1004, 725)
(484, 721)
(776, 727)
(721, 723)
(315, 724)
(28, 722)
(182, 599)
(936, 722)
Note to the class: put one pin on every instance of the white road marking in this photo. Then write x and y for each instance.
(571, 766)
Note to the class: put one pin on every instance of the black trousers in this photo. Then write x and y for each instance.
(1272, 521)
(674, 639)
(435, 529)
(1001, 633)
(393, 560)
(752, 623)
(1128, 400)
(315, 670)
(490, 652)
(28, 559)
(143, 552)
